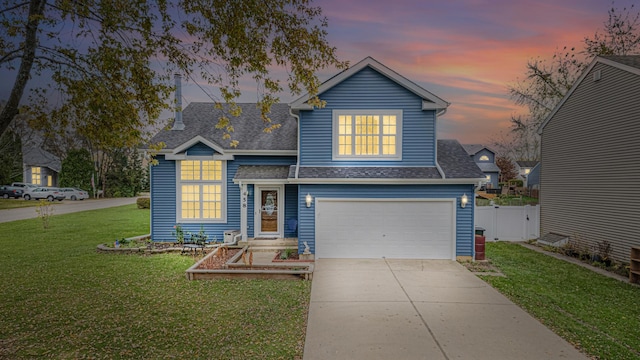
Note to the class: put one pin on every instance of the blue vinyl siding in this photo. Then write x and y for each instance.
(369, 90)
(163, 195)
(464, 217)
(163, 199)
(290, 208)
(200, 149)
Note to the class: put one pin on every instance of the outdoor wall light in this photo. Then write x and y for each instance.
(464, 200)
(308, 200)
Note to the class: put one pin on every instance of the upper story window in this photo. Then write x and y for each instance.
(484, 158)
(367, 134)
(527, 171)
(201, 190)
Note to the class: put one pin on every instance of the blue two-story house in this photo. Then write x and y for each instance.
(363, 177)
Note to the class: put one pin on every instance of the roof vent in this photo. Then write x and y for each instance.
(178, 124)
(597, 75)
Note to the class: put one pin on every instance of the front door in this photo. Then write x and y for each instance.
(269, 211)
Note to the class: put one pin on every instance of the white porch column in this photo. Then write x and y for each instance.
(244, 194)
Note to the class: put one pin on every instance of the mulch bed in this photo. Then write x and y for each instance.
(216, 261)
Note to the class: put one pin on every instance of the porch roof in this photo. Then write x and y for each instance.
(312, 172)
(262, 172)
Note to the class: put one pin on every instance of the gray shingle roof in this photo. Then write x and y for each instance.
(312, 172)
(526, 164)
(456, 162)
(453, 159)
(629, 60)
(488, 167)
(262, 172)
(200, 118)
(39, 157)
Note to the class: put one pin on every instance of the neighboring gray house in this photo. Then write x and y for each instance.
(533, 178)
(524, 167)
(485, 158)
(590, 154)
(40, 167)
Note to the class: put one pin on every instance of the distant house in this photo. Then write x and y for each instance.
(533, 178)
(363, 177)
(485, 158)
(590, 158)
(524, 168)
(40, 167)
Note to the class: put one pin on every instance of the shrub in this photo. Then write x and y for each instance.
(45, 210)
(143, 203)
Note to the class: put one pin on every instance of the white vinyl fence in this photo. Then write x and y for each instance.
(512, 223)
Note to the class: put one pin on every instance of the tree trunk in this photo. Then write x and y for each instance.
(36, 10)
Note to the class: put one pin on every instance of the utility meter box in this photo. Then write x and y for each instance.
(229, 234)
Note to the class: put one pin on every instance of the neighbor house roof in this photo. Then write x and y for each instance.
(526, 164)
(488, 167)
(629, 63)
(200, 119)
(473, 149)
(36, 156)
(430, 101)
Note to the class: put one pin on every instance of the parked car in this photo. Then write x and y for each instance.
(25, 186)
(49, 193)
(74, 194)
(11, 192)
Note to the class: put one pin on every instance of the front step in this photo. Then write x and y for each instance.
(266, 243)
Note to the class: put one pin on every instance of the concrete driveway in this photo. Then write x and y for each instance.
(418, 309)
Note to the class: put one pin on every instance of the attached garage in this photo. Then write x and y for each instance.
(391, 228)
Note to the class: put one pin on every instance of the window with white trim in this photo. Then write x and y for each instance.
(201, 190)
(367, 134)
(36, 175)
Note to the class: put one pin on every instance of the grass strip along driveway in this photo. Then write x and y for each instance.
(62, 299)
(598, 314)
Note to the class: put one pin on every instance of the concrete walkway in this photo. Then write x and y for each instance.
(418, 309)
(63, 207)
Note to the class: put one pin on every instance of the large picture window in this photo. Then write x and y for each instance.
(201, 190)
(367, 134)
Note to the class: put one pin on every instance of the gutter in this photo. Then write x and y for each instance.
(298, 155)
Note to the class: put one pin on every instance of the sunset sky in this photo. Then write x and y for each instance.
(465, 51)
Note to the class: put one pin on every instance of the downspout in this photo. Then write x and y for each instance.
(297, 157)
(440, 171)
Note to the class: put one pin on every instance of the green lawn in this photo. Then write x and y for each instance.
(598, 314)
(16, 203)
(59, 298)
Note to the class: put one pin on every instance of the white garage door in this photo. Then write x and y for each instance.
(375, 228)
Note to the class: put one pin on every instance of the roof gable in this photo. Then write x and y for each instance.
(429, 100)
(629, 63)
(473, 149)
